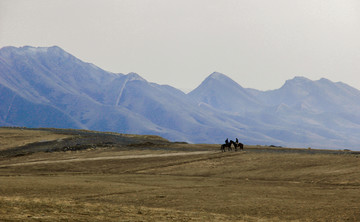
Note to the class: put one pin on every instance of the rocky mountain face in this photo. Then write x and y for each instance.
(48, 87)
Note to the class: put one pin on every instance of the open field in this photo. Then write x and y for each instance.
(61, 175)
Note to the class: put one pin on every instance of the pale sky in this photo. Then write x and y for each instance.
(257, 43)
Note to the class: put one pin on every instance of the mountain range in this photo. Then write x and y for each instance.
(48, 87)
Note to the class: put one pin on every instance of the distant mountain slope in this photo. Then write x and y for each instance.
(17, 111)
(48, 87)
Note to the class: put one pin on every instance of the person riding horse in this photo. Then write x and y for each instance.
(228, 145)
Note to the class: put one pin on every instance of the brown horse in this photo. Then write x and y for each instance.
(236, 145)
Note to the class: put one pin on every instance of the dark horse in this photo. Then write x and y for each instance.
(236, 145)
(224, 146)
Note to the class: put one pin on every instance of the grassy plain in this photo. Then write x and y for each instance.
(161, 181)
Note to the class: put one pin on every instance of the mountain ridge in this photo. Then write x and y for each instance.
(48, 87)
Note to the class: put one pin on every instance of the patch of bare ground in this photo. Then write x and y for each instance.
(180, 182)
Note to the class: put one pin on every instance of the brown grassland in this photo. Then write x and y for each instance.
(143, 178)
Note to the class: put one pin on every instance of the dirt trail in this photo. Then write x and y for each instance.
(139, 156)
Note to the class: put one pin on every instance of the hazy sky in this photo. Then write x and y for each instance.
(258, 43)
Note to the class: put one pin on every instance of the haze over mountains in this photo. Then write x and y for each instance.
(48, 87)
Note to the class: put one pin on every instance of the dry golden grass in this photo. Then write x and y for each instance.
(202, 186)
(13, 137)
